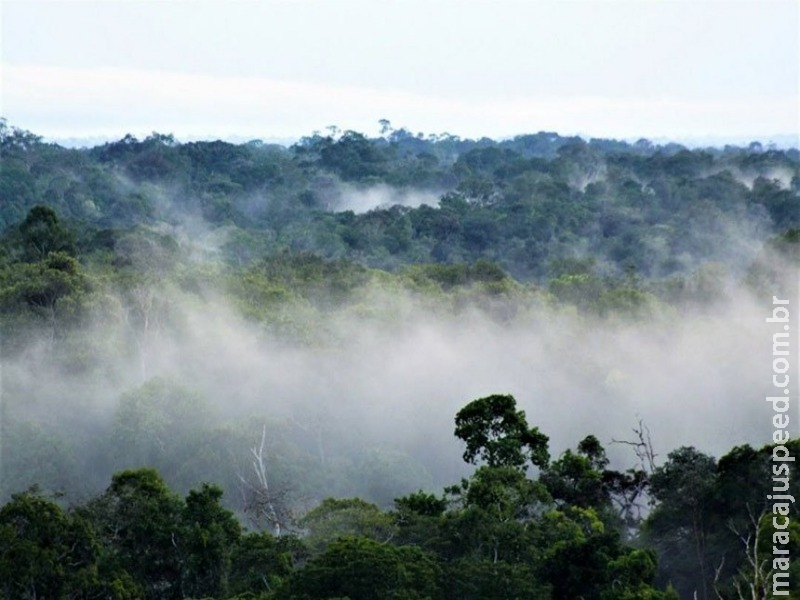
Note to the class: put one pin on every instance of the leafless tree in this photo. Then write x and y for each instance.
(752, 581)
(630, 496)
(263, 501)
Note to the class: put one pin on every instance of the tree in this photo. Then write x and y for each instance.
(42, 233)
(363, 569)
(496, 432)
(494, 511)
(260, 562)
(53, 289)
(210, 534)
(583, 558)
(44, 553)
(335, 518)
(579, 478)
(264, 501)
(471, 578)
(140, 524)
(418, 517)
(679, 524)
(352, 156)
(56, 277)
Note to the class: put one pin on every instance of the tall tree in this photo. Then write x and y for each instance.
(680, 524)
(497, 433)
(139, 520)
(210, 534)
(42, 233)
(44, 553)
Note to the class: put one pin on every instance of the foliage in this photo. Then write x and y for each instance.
(104, 250)
(525, 203)
(498, 534)
(497, 433)
(44, 553)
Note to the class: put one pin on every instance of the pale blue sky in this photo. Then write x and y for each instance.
(655, 68)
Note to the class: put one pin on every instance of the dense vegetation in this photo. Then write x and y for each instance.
(153, 295)
(497, 534)
(527, 204)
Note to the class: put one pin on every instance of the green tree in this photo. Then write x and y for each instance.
(262, 563)
(335, 518)
(418, 517)
(679, 526)
(585, 559)
(363, 569)
(471, 578)
(497, 433)
(210, 535)
(44, 553)
(578, 478)
(140, 523)
(494, 510)
(54, 289)
(42, 233)
(352, 156)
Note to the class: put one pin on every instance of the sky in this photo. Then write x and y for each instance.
(661, 69)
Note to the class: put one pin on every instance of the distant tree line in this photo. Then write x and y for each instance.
(528, 204)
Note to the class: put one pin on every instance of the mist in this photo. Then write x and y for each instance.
(361, 200)
(781, 176)
(387, 372)
(215, 310)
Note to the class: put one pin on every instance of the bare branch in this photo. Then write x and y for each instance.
(260, 500)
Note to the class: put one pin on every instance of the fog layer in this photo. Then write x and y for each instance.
(386, 373)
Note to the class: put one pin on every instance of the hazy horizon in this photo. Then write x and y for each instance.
(782, 141)
(280, 70)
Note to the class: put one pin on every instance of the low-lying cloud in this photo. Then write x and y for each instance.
(389, 374)
(361, 200)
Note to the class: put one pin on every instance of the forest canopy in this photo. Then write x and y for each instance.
(231, 370)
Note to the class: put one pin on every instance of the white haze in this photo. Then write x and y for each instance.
(782, 175)
(392, 368)
(391, 373)
(361, 200)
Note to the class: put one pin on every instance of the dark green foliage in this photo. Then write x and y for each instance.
(482, 579)
(210, 534)
(42, 234)
(44, 552)
(352, 156)
(143, 237)
(261, 562)
(422, 504)
(575, 480)
(497, 433)
(704, 511)
(498, 535)
(520, 203)
(139, 521)
(362, 569)
(48, 296)
(681, 523)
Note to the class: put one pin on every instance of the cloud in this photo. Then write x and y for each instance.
(361, 200)
(65, 102)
